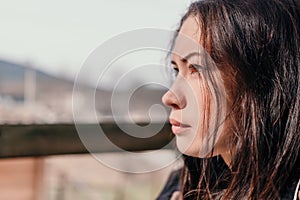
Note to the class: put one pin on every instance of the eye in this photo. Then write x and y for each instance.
(194, 69)
(175, 71)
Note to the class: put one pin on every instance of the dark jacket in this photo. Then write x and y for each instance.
(173, 184)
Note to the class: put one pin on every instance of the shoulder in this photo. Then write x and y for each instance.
(172, 185)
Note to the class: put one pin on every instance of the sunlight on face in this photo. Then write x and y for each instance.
(197, 96)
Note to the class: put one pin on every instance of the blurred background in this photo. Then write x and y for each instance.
(43, 45)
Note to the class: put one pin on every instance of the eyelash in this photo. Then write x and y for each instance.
(175, 72)
(194, 68)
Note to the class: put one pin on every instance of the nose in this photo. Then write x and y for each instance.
(174, 101)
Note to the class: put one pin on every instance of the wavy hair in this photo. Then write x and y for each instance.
(258, 42)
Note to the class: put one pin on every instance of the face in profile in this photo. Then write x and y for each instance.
(197, 96)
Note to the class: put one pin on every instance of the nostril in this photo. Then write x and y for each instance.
(174, 106)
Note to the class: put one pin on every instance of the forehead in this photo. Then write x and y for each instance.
(188, 38)
(190, 28)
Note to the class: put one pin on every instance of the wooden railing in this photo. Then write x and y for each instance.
(56, 139)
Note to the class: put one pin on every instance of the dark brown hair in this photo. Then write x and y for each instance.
(259, 41)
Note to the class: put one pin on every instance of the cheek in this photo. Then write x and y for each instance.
(206, 110)
(197, 113)
(203, 132)
(203, 101)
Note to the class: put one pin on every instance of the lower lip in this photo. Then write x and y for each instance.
(179, 129)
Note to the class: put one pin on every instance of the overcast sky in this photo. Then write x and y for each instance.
(58, 35)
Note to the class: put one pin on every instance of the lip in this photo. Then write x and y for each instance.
(178, 127)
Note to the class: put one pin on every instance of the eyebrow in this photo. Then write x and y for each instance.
(185, 58)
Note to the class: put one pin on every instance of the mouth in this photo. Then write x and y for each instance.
(178, 127)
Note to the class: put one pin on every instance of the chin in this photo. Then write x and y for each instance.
(199, 151)
(194, 151)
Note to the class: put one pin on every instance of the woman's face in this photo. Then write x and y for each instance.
(197, 96)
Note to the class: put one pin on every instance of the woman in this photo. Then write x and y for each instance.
(236, 100)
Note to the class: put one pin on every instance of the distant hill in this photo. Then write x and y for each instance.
(55, 93)
(12, 77)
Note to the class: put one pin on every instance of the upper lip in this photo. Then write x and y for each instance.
(177, 123)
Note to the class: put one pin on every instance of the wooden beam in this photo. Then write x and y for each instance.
(55, 139)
